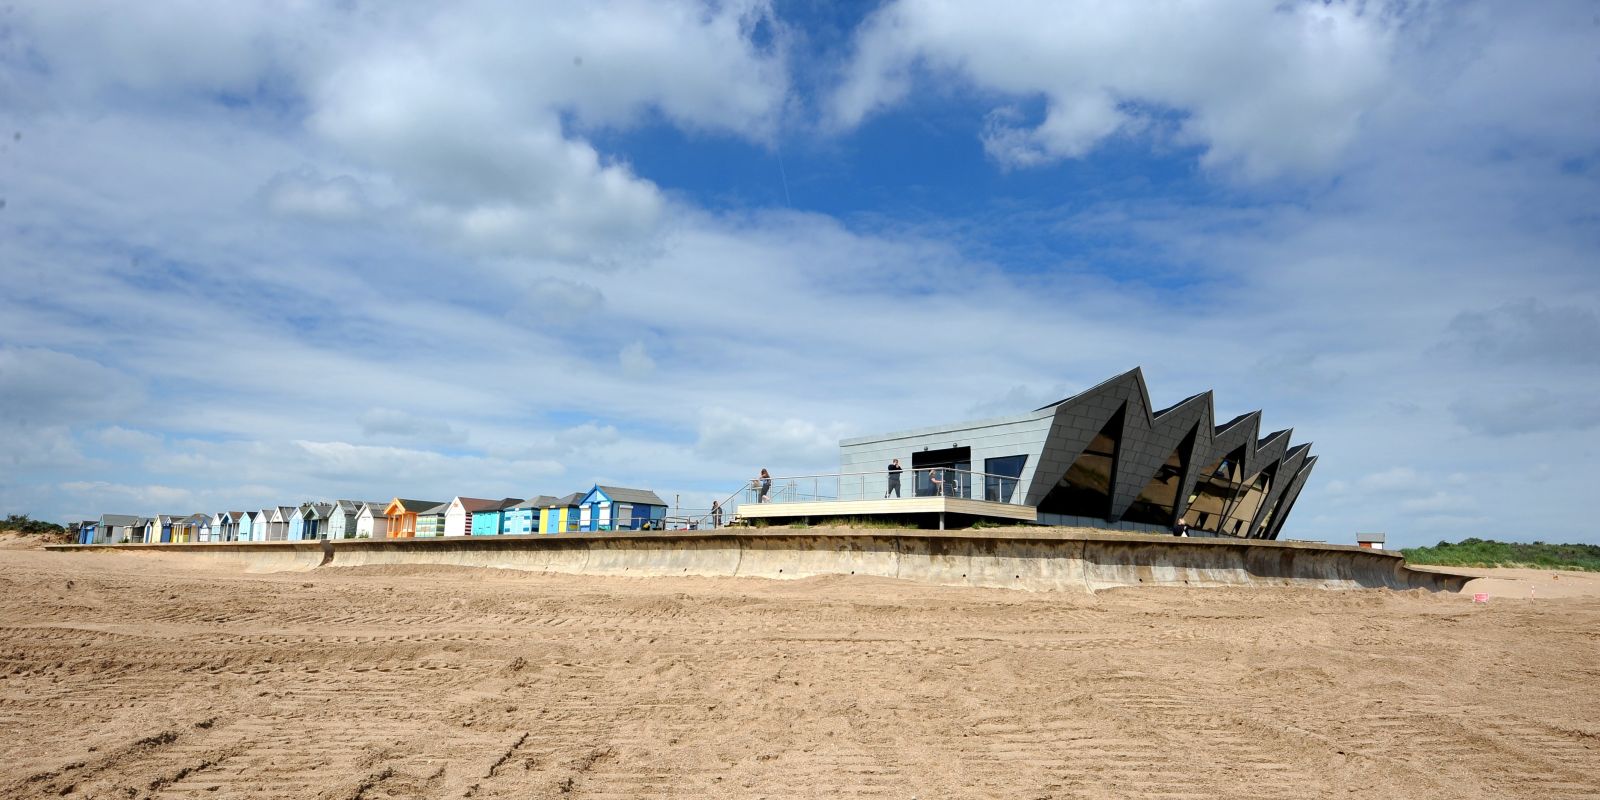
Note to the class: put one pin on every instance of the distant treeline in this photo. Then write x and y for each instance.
(1490, 553)
(21, 523)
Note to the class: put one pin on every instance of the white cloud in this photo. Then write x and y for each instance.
(467, 111)
(1394, 479)
(389, 423)
(122, 438)
(635, 360)
(304, 193)
(1261, 87)
(767, 440)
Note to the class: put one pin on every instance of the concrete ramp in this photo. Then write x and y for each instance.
(1031, 559)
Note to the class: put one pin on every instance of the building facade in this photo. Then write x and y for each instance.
(1105, 458)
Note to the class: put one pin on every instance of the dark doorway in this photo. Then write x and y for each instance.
(947, 472)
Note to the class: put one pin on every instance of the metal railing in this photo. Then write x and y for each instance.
(883, 485)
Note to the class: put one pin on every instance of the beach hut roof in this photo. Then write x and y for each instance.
(641, 497)
(414, 506)
(542, 501)
(436, 511)
(475, 504)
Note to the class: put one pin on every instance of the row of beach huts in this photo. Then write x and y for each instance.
(602, 508)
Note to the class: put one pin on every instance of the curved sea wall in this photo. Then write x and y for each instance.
(1017, 558)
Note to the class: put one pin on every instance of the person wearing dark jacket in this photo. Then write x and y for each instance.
(894, 478)
(1180, 528)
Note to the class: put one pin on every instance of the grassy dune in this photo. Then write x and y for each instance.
(1490, 553)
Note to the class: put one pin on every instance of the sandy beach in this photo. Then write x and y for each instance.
(144, 676)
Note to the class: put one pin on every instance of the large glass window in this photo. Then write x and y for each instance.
(1000, 485)
(935, 475)
(1157, 502)
(1214, 493)
(1085, 491)
(1248, 501)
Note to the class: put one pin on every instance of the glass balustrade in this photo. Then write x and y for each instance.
(909, 483)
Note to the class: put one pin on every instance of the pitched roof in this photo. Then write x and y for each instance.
(437, 511)
(471, 504)
(118, 520)
(414, 506)
(643, 497)
(500, 505)
(542, 501)
(570, 500)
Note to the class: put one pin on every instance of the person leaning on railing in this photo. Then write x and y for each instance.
(764, 485)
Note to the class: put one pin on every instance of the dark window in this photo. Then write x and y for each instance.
(1156, 503)
(954, 484)
(1214, 492)
(1001, 482)
(1085, 491)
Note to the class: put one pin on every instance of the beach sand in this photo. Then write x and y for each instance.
(144, 676)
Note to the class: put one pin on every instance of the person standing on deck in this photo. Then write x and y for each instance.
(716, 514)
(894, 479)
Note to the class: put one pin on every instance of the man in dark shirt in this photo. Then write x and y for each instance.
(894, 479)
(1180, 528)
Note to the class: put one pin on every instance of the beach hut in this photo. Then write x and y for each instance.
(430, 521)
(149, 530)
(616, 508)
(134, 534)
(85, 531)
(402, 516)
(231, 522)
(297, 523)
(342, 519)
(219, 526)
(371, 522)
(194, 528)
(115, 528)
(490, 521)
(253, 526)
(314, 520)
(278, 524)
(458, 514)
(562, 515)
(523, 518)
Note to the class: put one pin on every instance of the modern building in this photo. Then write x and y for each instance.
(1103, 458)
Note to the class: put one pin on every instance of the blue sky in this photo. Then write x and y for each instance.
(254, 254)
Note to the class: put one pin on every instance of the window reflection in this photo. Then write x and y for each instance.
(1157, 501)
(1085, 491)
(1001, 483)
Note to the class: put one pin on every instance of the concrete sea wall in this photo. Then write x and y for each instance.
(1028, 559)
